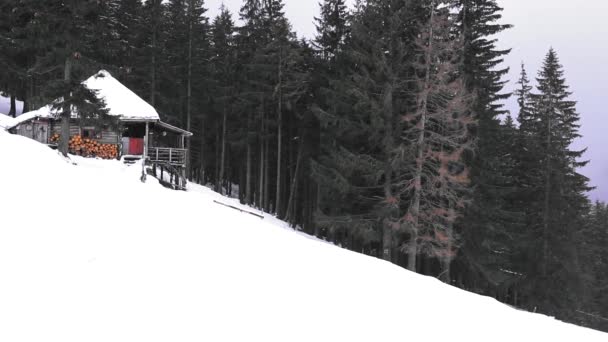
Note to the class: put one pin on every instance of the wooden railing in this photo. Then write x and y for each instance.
(172, 156)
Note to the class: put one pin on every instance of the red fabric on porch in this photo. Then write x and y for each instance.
(136, 146)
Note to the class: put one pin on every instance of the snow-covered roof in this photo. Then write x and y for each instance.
(6, 122)
(44, 112)
(120, 100)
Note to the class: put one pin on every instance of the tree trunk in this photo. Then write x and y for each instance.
(155, 19)
(279, 135)
(218, 181)
(294, 183)
(189, 91)
(248, 176)
(262, 158)
(223, 153)
(13, 111)
(547, 201)
(67, 111)
(387, 230)
(267, 175)
(445, 273)
(202, 156)
(412, 246)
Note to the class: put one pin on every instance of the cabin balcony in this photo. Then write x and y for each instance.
(168, 156)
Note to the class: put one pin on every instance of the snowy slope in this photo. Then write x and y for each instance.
(89, 253)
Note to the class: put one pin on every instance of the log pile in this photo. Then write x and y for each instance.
(55, 138)
(91, 148)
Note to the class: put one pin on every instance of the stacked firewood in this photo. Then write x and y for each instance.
(55, 138)
(91, 148)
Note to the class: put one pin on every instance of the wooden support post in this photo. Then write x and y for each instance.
(186, 157)
(145, 156)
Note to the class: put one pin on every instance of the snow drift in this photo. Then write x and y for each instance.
(89, 253)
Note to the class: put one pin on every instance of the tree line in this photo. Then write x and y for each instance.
(385, 134)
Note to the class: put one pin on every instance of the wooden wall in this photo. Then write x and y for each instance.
(35, 129)
(108, 135)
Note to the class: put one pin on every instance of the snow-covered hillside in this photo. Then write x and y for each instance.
(89, 253)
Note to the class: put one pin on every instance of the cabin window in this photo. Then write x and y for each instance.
(91, 133)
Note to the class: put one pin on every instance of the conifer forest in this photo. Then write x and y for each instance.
(385, 134)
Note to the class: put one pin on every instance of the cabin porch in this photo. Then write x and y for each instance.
(162, 147)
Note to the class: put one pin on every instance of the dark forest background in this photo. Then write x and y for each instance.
(385, 134)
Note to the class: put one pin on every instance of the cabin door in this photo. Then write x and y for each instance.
(133, 139)
(136, 146)
(40, 132)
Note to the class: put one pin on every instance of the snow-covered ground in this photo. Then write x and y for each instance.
(89, 253)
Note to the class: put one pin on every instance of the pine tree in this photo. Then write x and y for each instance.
(436, 138)
(131, 58)
(332, 28)
(563, 188)
(154, 15)
(483, 77)
(19, 42)
(524, 98)
(7, 59)
(359, 195)
(223, 60)
(593, 304)
(250, 101)
(66, 32)
(174, 73)
(528, 168)
(198, 73)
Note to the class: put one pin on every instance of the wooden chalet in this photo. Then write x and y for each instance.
(140, 133)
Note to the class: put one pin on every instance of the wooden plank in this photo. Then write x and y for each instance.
(239, 209)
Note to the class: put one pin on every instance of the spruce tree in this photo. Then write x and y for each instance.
(154, 15)
(131, 59)
(21, 43)
(66, 31)
(486, 215)
(433, 175)
(359, 195)
(592, 308)
(332, 28)
(250, 101)
(223, 60)
(563, 189)
(330, 63)
(524, 98)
